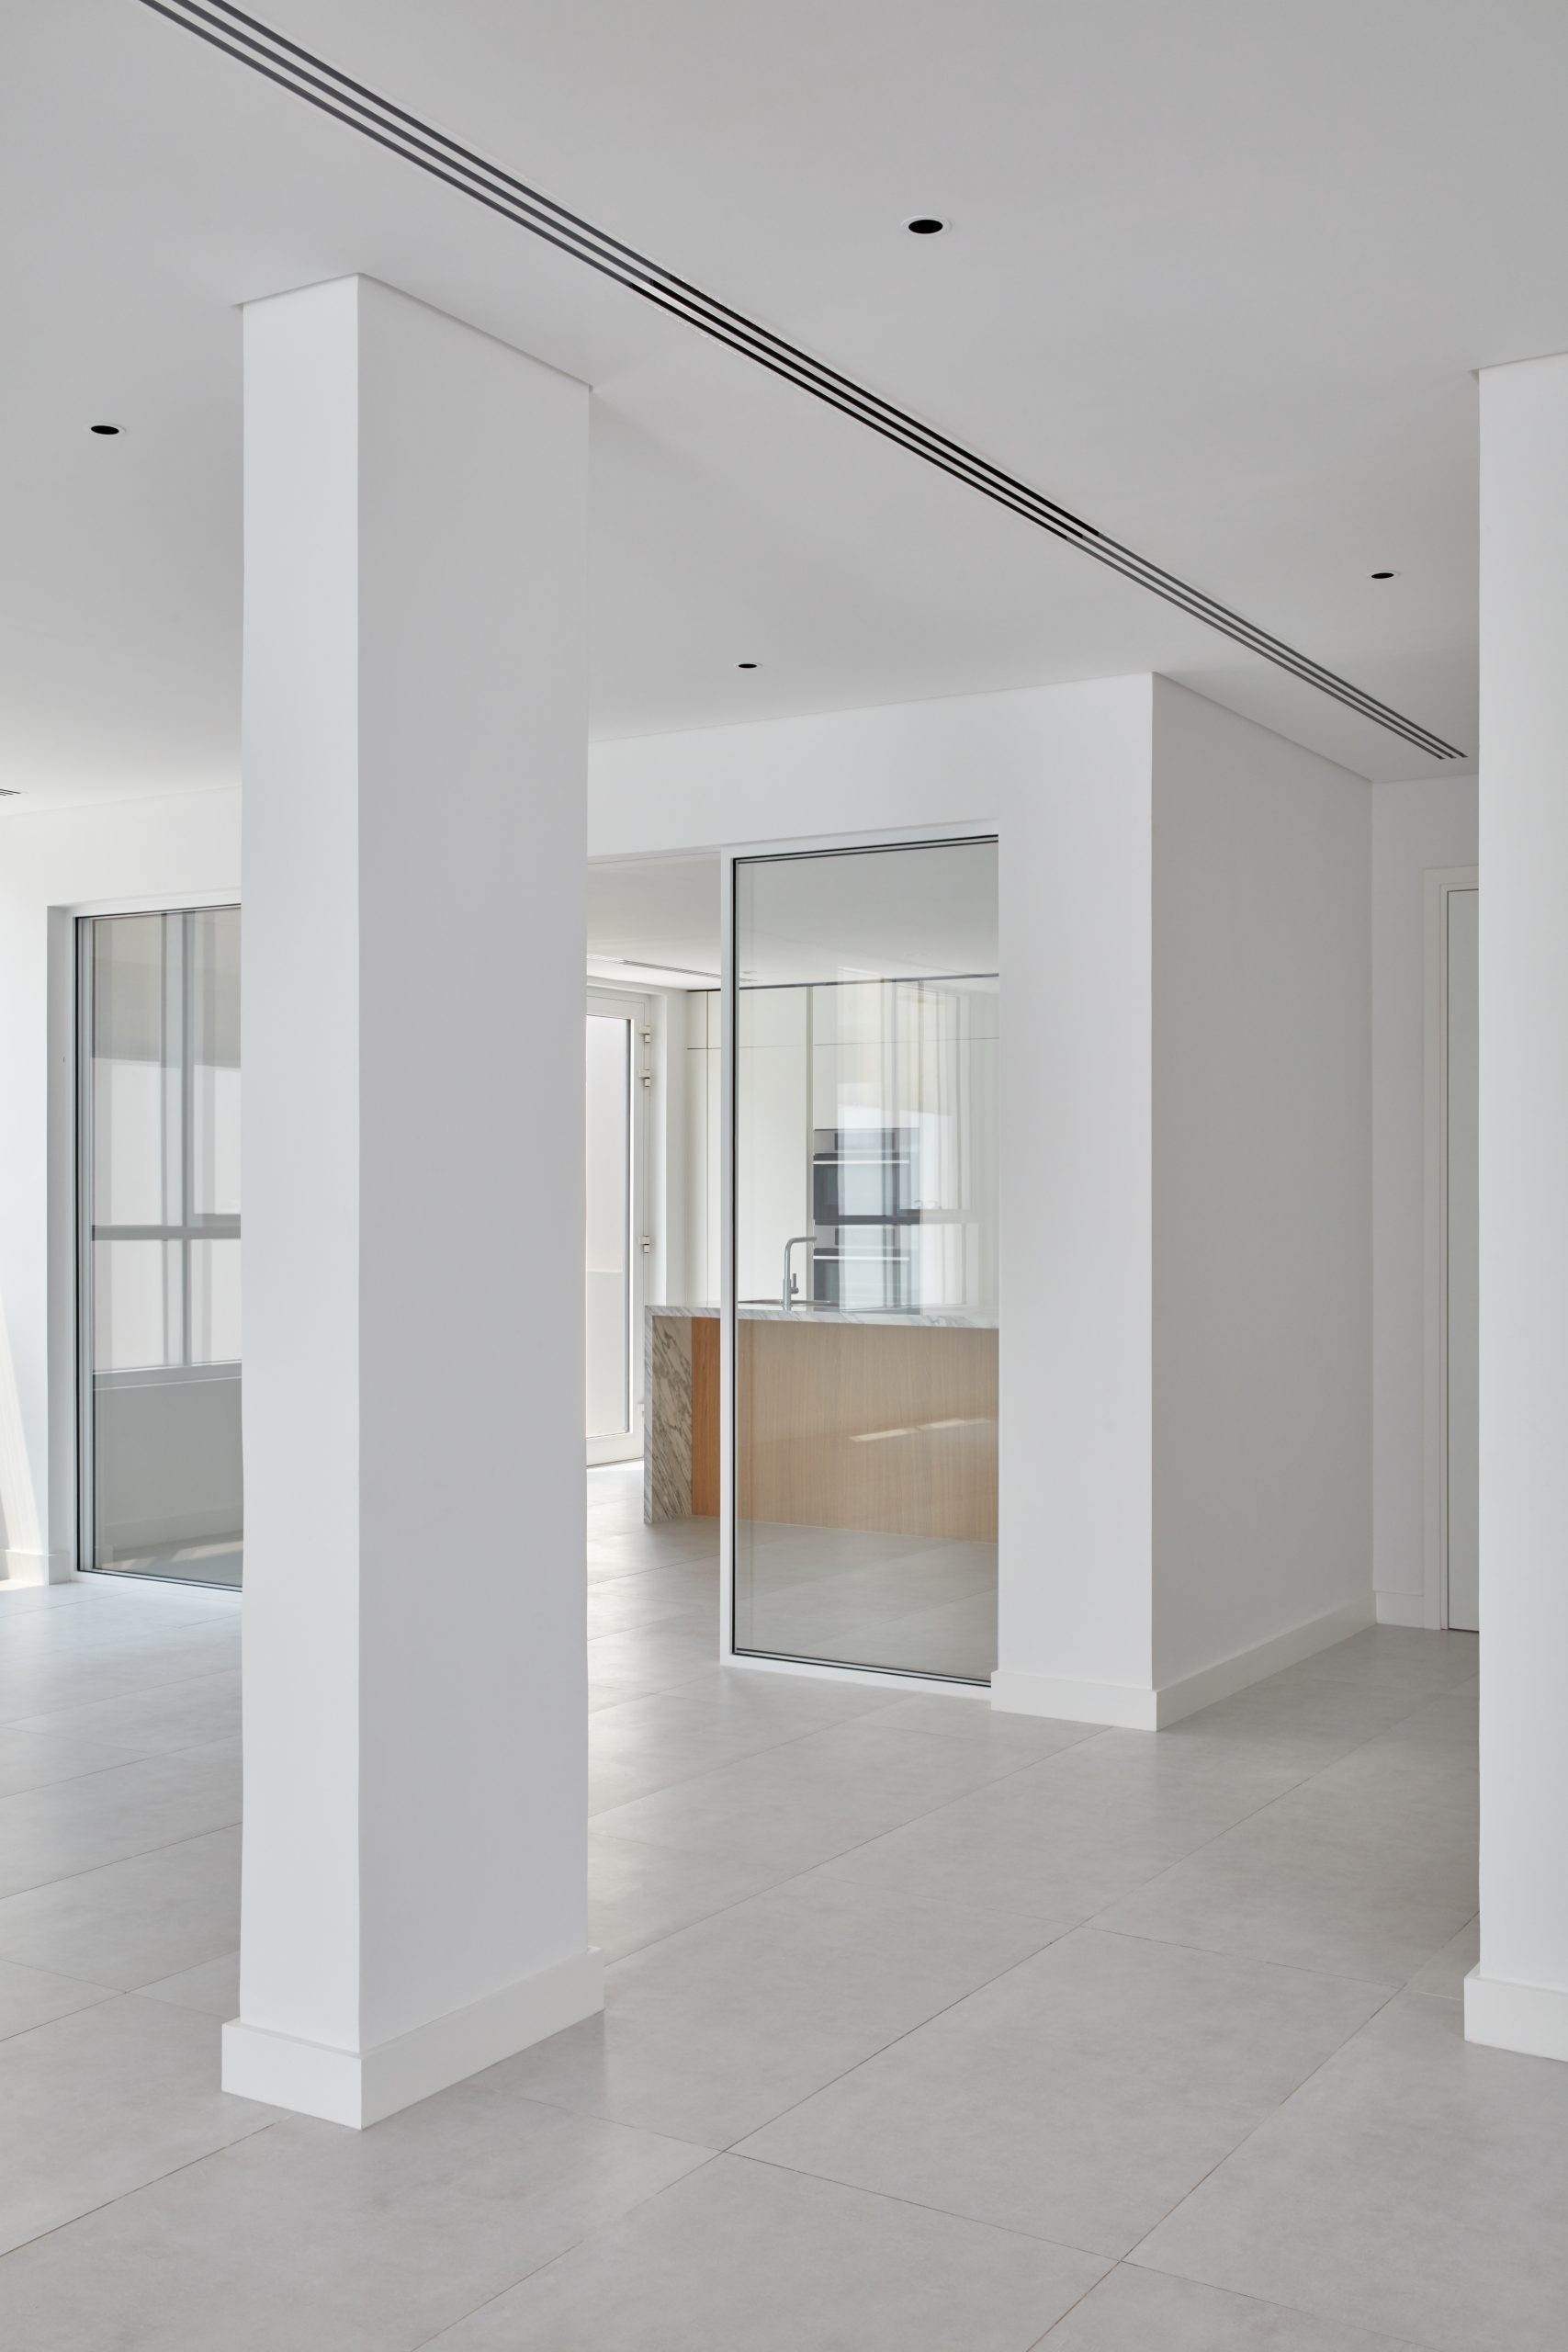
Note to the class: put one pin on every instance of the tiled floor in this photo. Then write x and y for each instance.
(927, 2029)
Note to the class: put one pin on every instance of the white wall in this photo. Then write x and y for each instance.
(184, 846)
(1415, 828)
(1063, 775)
(1262, 1234)
(1518, 1995)
(1186, 1146)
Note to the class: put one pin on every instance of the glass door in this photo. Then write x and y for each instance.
(158, 1191)
(619, 1034)
(865, 1258)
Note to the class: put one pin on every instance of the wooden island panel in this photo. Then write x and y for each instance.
(872, 1425)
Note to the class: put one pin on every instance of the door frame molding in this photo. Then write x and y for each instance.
(1439, 883)
(637, 1007)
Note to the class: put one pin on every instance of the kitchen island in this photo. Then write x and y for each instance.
(879, 1421)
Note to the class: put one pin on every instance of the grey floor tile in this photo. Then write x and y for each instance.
(213, 1988)
(668, 1545)
(18, 1600)
(40, 1679)
(711, 2032)
(35, 1759)
(1337, 1875)
(31, 1996)
(1022, 1739)
(310, 2239)
(186, 1714)
(1079, 2096)
(647, 1744)
(132, 1922)
(659, 1597)
(73, 1826)
(104, 2101)
(898, 2011)
(804, 1701)
(1303, 1729)
(637, 1893)
(1417, 2185)
(1395, 1658)
(1445, 1972)
(804, 1801)
(643, 1659)
(1140, 2310)
(1067, 1836)
(742, 2258)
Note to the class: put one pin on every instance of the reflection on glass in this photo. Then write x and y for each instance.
(160, 1097)
(215, 1066)
(608, 1268)
(865, 1242)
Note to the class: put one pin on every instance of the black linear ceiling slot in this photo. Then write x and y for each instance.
(252, 43)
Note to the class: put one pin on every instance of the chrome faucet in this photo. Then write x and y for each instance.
(790, 1285)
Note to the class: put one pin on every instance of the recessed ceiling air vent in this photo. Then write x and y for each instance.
(349, 102)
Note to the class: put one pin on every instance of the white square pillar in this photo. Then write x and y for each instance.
(1185, 1473)
(414, 1900)
(1075, 1636)
(1517, 1998)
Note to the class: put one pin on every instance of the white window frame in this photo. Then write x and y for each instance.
(80, 920)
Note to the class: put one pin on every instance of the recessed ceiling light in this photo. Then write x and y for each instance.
(746, 665)
(103, 428)
(1385, 575)
(925, 224)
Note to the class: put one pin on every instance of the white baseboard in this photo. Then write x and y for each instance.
(1120, 1706)
(1190, 1692)
(1129, 1706)
(32, 1567)
(1532, 2018)
(1401, 1609)
(358, 2087)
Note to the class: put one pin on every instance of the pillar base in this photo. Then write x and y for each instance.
(1117, 1706)
(1530, 2018)
(357, 2087)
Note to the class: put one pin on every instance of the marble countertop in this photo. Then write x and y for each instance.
(950, 1321)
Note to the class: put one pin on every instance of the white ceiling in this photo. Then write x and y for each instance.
(660, 916)
(1218, 278)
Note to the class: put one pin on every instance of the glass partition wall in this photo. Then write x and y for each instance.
(158, 1190)
(865, 1258)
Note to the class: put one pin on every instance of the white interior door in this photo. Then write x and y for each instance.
(617, 1036)
(1460, 1260)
